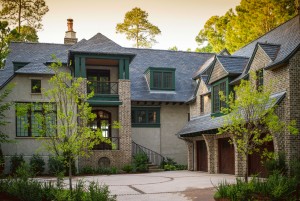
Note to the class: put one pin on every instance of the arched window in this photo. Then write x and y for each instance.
(102, 122)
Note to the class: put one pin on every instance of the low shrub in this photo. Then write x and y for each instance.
(56, 166)
(31, 190)
(87, 170)
(128, 168)
(140, 162)
(181, 167)
(276, 164)
(15, 162)
(37, 164)
(169, 167)
(295, 169)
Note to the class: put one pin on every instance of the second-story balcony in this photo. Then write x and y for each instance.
(105, 93)
(103, 88)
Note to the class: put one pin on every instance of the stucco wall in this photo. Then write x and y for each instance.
(164, 140)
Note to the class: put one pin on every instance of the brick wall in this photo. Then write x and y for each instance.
(118, 158)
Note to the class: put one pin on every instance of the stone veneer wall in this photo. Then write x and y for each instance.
(118, 158)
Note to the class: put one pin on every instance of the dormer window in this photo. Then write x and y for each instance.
(217, 102)
(259, 79)
(160, 78)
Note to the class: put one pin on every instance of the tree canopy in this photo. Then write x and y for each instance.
(24, 12)
(137, 27)
(4, 31)
(250, 20)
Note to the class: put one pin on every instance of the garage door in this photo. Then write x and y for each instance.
(226, 156)
(255, 165)
(201, 156)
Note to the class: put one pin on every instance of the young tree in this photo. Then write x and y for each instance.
(4, 31)
(137, 27)
(250, 120)
(71, 136)
(24, 11)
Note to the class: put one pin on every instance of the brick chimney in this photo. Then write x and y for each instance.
(70, 37)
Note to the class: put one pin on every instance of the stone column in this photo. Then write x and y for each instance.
(190, 147)
(212, 156)
(125, 121)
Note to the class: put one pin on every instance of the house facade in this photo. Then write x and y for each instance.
(144, 90)
(167, 102)
(275, 59)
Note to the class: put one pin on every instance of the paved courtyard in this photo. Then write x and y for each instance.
(162, 186)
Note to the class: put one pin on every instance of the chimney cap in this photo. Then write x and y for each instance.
(70, 20)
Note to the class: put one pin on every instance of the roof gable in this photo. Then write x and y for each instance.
(270, 49)
(99, 44)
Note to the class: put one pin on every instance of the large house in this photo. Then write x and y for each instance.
(163, 99)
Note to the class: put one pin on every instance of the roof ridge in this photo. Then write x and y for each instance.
(211, 53)
(233, 56)
(270, 44)
(267, 33)
(46, 43)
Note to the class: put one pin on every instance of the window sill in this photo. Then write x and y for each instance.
(30, 138)
(146, 125)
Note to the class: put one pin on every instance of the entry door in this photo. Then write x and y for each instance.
(201, 156)
(99, 81)
(226, 156)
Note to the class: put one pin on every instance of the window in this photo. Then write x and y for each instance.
(201, 104)
(36, 86)
(217, 103)
(161, 78)
(35, 119)
(145, 117)
(259, 79)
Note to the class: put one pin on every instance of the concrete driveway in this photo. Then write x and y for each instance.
(162, 186)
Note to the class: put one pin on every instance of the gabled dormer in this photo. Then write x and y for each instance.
(225, 69)
(159, 78)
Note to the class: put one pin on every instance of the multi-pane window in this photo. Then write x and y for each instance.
(259, 79)
(145, 117)
(163, 80)
(160, 78)
(201, 104)
(36, 86)
(35, 119)
(217, 103)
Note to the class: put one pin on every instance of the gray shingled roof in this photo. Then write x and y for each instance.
(233, 64)
(186, 63)
(30, 53)
(35, 68)
(270, 49)
(100, 44)
(286, 35)
(206, 124)
(207, 64)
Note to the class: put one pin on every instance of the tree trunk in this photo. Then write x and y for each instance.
(20, 10)
(70, 174)
(246, 169)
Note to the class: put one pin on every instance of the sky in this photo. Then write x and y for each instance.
(179, 20)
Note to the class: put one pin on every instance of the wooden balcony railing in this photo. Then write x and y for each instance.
(102, 87)
(112, 143)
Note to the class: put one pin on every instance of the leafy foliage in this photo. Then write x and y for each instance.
(19, 12)
(250, 120)
(37, 164)
(140, 162)
(250, 20)
(15, 162)
(4, 106)
(276, 164)
(26, 34)
(4, 31)
(137, 27)
(128, 168)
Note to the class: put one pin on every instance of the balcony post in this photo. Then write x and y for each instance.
(121, 69)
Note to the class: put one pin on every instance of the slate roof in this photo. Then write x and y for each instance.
(100, 44)
(233, 64)
(207, 64)
(270, 49)
(35, 68)
(207, 125)
(186, 63)
(30, 53)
